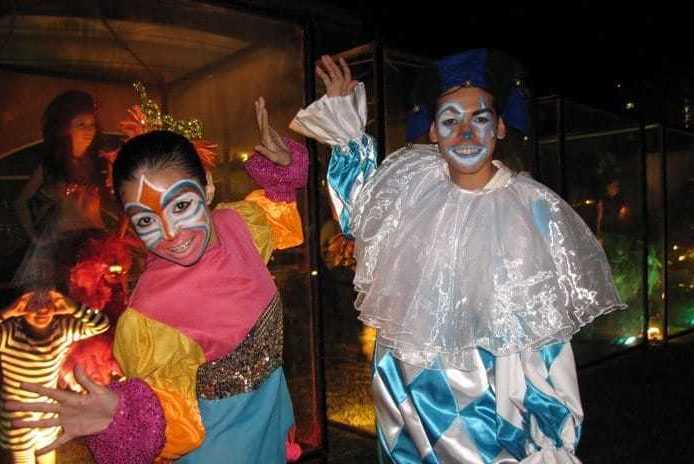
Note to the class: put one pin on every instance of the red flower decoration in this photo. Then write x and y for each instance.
(88, 285)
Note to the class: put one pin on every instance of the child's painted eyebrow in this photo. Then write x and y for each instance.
(179, 188)
(134, 208)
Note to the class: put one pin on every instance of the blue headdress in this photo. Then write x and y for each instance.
(493, 71)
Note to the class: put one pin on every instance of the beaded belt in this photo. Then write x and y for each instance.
(250, 363)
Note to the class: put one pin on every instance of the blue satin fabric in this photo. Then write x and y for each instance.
(480, 420)
(418, 123)
(512, 439)
(540, 209)
(429, 395)
(434, 401)
(249, 427)
(549, 413)
(468, 68)
(515, 112)
(550, 353)
(348, 170)
(404, 452)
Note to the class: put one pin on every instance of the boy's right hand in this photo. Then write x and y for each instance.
(337, 79)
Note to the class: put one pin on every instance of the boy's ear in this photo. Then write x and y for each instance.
(501, 129)
(433, 135)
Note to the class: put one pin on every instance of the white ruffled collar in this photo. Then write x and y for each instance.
(502, 177)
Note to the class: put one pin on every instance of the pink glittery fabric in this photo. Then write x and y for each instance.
(136, 433)
(281, 182)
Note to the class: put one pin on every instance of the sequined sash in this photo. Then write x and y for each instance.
(242, 370)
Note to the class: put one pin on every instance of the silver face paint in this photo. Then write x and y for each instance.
(449, 116)
(475, 126)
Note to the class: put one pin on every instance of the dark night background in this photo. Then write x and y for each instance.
(580, 49)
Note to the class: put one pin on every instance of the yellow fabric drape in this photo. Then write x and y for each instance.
(284, 218)
(258, 225)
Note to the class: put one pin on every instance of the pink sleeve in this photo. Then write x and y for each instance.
(136, 433)
(281, 182)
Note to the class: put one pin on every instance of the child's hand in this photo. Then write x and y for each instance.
(337, 79)
(18, 308)
(61, 303)
(272, 146)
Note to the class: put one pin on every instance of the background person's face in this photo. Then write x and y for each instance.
(39, 318)
(168, 211)
(82, 131)
(466, 128)
(613, 188)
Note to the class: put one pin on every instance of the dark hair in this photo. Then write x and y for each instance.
(156, 150)
(59, 165)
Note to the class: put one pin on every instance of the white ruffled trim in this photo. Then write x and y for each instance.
(334, 120)
(442, 271)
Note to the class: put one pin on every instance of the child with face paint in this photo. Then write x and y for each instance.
(201, 341)
(475, 277)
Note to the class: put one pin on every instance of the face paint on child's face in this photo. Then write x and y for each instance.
(466, 126)
(171, 218)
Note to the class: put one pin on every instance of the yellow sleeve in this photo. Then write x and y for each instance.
(284, 218)
(168, 361)
(257, 223)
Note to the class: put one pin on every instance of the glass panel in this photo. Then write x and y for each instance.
(680, 211)
(299, 349)
(656, 233)
(348, 344)
(603, 171)
(198, 61)
(400, 72)
(548, 165)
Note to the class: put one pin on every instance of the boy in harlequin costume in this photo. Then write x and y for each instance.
(475, 277)
(200, 344)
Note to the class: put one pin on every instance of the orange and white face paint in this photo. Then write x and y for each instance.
(169, 213)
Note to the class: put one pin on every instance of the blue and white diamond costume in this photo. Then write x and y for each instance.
(475, 295)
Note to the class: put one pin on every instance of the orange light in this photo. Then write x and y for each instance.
(654, 334)
(115, 269)
(368, 342)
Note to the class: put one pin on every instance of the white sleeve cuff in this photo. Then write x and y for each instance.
(334, 120)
